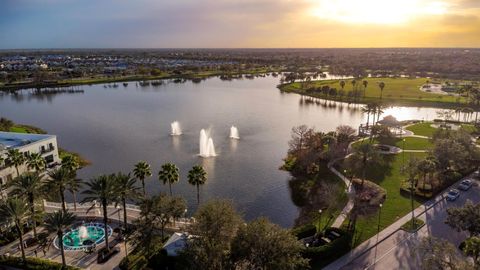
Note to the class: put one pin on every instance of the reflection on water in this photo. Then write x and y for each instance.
(115, 128)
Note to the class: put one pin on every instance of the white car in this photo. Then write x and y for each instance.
(465, 184)
(453, 194)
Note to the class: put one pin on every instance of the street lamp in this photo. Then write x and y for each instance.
(319, 219)
(378, 232)
(403, 153)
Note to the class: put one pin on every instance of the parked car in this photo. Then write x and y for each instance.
(465, 184)
(452, 195)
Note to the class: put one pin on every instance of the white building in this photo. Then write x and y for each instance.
(44, 144)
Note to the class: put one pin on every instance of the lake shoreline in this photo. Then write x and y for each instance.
(196, 77)
(287, 88)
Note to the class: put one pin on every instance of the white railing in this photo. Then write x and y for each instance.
(130, 207)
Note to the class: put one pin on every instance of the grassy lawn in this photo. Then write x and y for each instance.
(395, 205)
(397, 90)
(411, 143)
(26, 129)
(422, 129)
(469, 128)
(414, 143)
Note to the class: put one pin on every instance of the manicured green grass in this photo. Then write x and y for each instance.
(414, 143)
(469, 128)
(397, 90)
(395, 205)
(27, 129)
(18, 129)
(411, 143)
(422, 129)
(408, 226)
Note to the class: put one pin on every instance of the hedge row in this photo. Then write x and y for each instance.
(331, 250)
(33, 263)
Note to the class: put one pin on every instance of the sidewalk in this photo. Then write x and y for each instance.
(387, 238)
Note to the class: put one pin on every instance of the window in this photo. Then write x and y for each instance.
(49, 159)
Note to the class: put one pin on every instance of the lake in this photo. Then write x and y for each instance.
(115, 128)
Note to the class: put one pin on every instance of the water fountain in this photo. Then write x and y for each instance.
(207, 149)
(82, 232)
(176, 130)
(234, 133)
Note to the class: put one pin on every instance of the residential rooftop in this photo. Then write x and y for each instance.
(13, 140)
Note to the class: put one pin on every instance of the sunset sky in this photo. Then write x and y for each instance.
(238, 23)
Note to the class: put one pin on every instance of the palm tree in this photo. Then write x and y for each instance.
(60, 180)
(342, 84)
(368, 110)
(381, 85)
(424, 167)
(14, 210)
(142, 170)
(169, 174)
(28, 186)
(74, 186)
(363, 157)
(70, 163)
(365, 84)
(103, 189)
(411, 169)
(126, 191)
(197, 176)
(57, 222)
(15, 158)
(36, 162)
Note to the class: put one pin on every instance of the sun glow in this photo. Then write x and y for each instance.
(376, 11)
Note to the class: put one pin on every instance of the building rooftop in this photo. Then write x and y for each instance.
(13, 140)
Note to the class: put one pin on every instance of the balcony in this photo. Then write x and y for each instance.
(47, 150)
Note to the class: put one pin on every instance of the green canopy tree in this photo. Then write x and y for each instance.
(216, 225)
(263, 245)
(465, 218)
(169, 174)
(197, 176)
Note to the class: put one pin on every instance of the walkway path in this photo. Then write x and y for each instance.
(350, 193)
(385, 241)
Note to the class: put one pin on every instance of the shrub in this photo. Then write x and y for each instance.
(304, 231)
(327, 253)
(33, 263)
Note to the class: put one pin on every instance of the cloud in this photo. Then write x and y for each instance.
(236, 23)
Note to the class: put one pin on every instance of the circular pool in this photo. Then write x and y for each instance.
(84, 236)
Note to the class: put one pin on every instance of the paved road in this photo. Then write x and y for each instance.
(396, 251)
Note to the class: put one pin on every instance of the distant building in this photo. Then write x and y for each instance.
(44, 144)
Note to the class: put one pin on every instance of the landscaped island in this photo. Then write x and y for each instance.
(386, 90)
